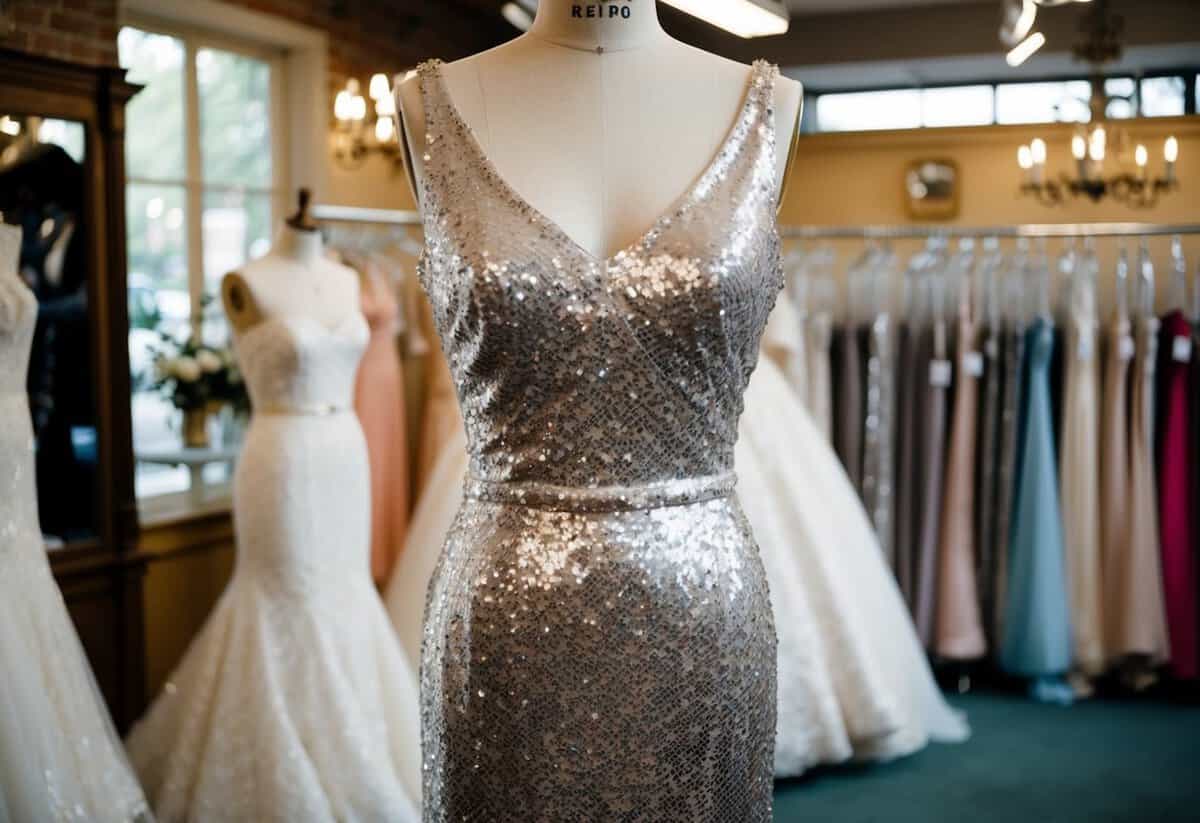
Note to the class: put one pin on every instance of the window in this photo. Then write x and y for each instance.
(1063, 102)
(1163, 96)
(204, 186)
(867, 110)
(981, 104)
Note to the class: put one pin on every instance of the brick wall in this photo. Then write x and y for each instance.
(365, 36)
(82, 31)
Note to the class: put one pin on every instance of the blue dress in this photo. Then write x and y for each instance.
(1037, 635)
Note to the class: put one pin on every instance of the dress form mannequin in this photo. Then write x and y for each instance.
(599, 123)
(294, 278)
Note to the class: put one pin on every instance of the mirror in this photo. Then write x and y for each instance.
(43, 191)
(931, 189)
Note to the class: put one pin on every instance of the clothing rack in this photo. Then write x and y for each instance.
(358, 214)
(884, 232)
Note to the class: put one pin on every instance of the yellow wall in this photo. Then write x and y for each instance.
(858, 179)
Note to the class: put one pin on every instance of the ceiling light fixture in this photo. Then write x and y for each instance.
(517, 15)
(745, 18)
(1025, 49)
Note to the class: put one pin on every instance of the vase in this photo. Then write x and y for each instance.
(195, 428)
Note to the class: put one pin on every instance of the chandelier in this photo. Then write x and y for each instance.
(362, 130)
(1101, 144)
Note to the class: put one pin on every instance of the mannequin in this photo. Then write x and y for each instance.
(294, 278)
(558, 110)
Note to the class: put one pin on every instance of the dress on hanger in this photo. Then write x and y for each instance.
(1006, 472)
(1135, 612)
(1176, 517)
(60, 758)
(959, 627)
(818, 332)
(379, 402)
(1037, 623)
(1079, 483)
(439, 416)
(879, 461)
(848, 401)
(987, 529)
(294, 702)
(908, 427)
(854, 682)
(931, 452)
(598, 636)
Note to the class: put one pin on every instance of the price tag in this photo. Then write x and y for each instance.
(1125, 348)
(1086, 347)
(1181, 349)
(973, 363)
(940, 372)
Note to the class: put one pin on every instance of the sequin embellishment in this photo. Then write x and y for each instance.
(598, 638)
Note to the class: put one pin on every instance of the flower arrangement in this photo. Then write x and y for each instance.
(195, 376)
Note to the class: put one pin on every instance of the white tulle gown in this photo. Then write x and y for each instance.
(60, 758)
(854, 683)
(294, 702)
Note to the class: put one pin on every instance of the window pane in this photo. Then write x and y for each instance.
(861, 111)
(1043, 102)
(1163, 96)
(235, 110)
(958, 106)
(1122, 94)
(154, 133)
(236, 228)
(158, 304)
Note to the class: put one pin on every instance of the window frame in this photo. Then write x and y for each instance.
(1190, 75)
(194, 40)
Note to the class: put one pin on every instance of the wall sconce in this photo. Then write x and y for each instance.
(361, 129)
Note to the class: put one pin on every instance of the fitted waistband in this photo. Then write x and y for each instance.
(302, 410)
(654, 495)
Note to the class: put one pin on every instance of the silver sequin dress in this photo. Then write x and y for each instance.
(598, 637)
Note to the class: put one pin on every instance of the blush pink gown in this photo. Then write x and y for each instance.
(379, 401)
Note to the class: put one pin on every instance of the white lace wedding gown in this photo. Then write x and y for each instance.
(854, 682)
(60, 758)
(294, 703)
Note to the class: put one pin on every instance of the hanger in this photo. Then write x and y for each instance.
(1178, 275)
(1145, 302)
(301, 220)
(1122, 284)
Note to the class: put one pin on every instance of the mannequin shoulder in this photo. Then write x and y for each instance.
(241, 306)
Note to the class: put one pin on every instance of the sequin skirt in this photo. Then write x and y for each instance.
(601, 656)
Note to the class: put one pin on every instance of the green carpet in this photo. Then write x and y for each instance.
(1096, 761)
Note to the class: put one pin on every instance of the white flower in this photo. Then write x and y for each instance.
(187, 369)
(208, 361)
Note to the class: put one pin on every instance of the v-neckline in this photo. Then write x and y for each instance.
(673, 210)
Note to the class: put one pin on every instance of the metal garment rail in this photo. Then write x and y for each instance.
(357, 214)
(1015, 230)
(400, 217)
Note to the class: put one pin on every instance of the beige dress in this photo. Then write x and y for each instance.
(959, 626)
(1079, 481)
(1136, 614)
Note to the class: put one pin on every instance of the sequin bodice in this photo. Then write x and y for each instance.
(580, 372)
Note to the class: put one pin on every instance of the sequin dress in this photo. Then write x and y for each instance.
(599, 643)
(60, 759)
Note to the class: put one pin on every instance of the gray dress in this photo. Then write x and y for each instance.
(598, 638)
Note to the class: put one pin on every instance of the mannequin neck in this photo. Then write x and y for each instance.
(598, 25)
(303, 247)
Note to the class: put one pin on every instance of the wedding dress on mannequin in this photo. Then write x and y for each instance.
(853, 680)
(60, 758)
(294, 702)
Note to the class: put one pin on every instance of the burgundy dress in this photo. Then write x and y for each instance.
(1175, 496)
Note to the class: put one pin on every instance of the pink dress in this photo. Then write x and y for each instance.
(379, 401)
